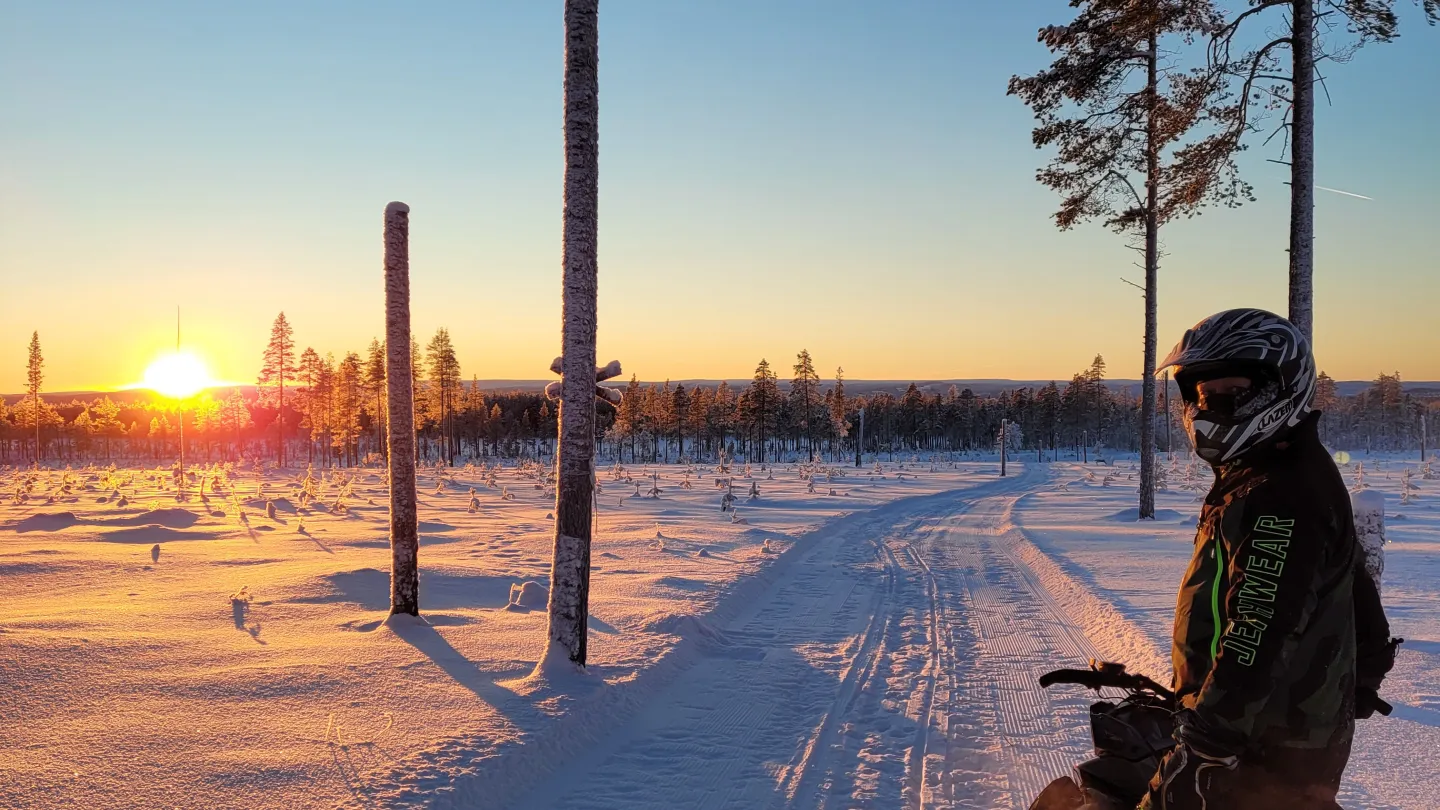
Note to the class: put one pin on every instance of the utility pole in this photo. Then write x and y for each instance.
(1002, 447)
(181, 492)
(860, 440)
(1424, 433)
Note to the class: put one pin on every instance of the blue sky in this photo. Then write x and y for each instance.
(845, 177)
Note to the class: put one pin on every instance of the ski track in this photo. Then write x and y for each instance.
(892, 664)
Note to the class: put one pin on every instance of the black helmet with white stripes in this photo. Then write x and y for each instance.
(1260, 346)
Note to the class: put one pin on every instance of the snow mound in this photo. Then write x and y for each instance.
(281, 504)
(687, 626)
(1133, 514)
(172, 518)
(554, 676)
(528, 595)
(45, 522)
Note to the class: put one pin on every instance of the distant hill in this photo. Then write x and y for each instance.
(983, 387)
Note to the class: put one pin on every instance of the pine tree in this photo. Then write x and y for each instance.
(34, 376)
(399, 375)
(1124, 132)
(569, 605)
(1299, 27)
(277, 368)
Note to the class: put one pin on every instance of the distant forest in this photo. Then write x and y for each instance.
(327, 412)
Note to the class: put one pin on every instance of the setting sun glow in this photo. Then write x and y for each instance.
(177, 375)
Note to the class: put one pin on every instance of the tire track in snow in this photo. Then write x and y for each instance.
(890, 662)
(806, 649)
(1014, 632)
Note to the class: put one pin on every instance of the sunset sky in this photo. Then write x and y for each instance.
(847, 177)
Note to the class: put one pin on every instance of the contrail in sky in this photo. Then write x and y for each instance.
(1346, 193)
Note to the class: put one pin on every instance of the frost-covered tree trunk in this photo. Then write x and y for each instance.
(1302, 170)
(404, 525)
(569, 605)
(1152, 265)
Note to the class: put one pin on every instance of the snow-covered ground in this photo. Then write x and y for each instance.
(874, 647)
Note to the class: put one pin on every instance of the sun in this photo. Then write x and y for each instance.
(177, 376)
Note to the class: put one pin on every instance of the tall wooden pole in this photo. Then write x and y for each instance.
(182, 410)
(399, 386)
(1003, 441)
(569, 604)
(860, 440)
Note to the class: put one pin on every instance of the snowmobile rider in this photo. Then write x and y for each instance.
(1280, 640)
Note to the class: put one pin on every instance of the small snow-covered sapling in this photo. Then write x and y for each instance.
(727, 501)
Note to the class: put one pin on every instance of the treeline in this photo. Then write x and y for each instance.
(333, 415)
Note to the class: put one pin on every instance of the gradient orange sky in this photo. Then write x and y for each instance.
(854, 183)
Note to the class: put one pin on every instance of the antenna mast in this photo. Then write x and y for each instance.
(181, 491)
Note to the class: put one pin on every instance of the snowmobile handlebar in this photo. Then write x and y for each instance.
(1104, 673)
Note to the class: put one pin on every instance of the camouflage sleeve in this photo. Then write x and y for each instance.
(1269, 597)
(1374, 654)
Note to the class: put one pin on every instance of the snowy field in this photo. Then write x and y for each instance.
(863, 641)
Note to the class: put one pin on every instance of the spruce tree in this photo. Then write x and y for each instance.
(763, 397)
(839, 409)
(680, 414)
(277, 368)
(34, 376)
(805, 399)
(444, 387)
(375, 385)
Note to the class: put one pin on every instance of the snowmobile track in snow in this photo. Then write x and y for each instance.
(890, 663)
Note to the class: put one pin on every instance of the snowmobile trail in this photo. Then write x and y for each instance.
(893, 665)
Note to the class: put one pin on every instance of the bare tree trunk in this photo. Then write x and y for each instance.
(569, 606)
(1302, 171)
(404, 525)
(1152, 262)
